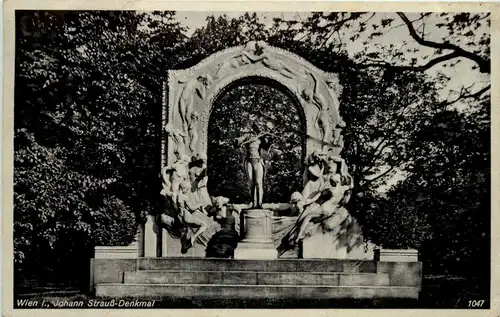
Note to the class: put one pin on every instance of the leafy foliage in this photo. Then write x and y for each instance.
(82, 114)
(235, 112)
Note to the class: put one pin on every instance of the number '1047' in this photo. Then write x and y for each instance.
(476, 303)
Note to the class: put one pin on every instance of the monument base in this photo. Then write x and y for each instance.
(255, 251)
(258, 242)
(391, 255)
(342, 242)
(276, 279)
(323, 246)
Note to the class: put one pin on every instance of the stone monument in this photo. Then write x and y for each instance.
(260, 255)
(187, 108)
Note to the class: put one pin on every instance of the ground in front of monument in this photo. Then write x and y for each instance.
(252, 160)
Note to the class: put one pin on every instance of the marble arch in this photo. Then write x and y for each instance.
(189, 96)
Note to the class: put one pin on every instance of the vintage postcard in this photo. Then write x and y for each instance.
(166, 157)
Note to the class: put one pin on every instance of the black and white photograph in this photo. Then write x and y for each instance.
(251, 159)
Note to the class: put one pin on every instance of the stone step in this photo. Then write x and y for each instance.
(255, 278)
(279, 265)
(240, 292)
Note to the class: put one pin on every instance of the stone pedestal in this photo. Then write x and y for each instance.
(148, 238)
(344, 241)
(391, 255)
(324, 246)
(257, 240)
(116, 252)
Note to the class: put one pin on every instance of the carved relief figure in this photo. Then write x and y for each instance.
(186, 195)
(186, 208)
(338, 139)
(192, 132)
(248, 55)
(323, 120)
(273, 63)
(296, 201)
(315, 164)
(255, 52)
(327, 203)
(280, 66)
(326, 192)
(173, 175)
(178, 139)
(254, 142)
(334, 89)
(199, 181)
(224, 241)
(195, 86)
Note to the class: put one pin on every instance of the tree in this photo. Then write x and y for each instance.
(435, 39)
(86, 155)
(454, 188)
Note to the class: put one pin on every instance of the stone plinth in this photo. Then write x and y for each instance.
(390, 255)
(148, 237)
(341, 242)
(116, 252)
(257, 240)
(298, 279)
(324, 246)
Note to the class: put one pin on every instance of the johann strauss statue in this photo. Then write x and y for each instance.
(254, 142)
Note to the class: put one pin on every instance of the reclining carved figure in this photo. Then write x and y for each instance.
(323, 198)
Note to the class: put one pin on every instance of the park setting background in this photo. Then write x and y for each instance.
(88, 95)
